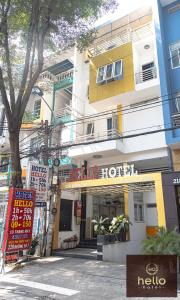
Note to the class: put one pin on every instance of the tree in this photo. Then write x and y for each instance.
(26, 29)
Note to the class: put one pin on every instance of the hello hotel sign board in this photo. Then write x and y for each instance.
(38, 179)
(97, 172)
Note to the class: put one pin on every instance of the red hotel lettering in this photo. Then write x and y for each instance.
(79, 173)
(36, 174)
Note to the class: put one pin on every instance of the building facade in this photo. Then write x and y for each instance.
(121, 134)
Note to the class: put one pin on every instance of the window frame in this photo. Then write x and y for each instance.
(176, 101)
(36, 117)
(121, 73)
(139, 203)
(92, 129)
(104, 72)
(113, 76)
(170, 51)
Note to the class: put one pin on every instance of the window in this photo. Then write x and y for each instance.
(109, 72)
(147, 71)
(118, 69)
(100, 76)
(90, 129)
(138, 207)
(65, 215)
(37, 109)
(109, 123)
(177, 102)
(175, 54)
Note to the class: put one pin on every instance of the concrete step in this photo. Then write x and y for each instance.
(90, 243)
(84, 253)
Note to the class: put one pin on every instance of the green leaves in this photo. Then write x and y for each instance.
(118, 223)
(164, 242)
(99, 227)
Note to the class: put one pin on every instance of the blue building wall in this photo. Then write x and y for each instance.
(167, 32)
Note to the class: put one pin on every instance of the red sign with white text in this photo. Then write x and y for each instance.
(19, 220)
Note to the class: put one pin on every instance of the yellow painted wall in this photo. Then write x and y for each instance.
(176, 159)
(99, 92)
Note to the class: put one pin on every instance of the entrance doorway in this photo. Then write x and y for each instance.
(178, 203)
(107, 206)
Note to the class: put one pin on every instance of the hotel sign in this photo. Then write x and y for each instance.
(38, 180)
(118, 171)
(19, 220)
(97, 172)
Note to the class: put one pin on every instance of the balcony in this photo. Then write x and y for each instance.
(63, 115)
(64, 80)
(99, 143)
(99, 136)
(119, 38)
(146, 75)
(176, 120)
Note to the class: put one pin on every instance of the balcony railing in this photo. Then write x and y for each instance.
(146, 75)
(60, 81)
(122, 37)
(99, 136)
(176, 120)
(63, 115)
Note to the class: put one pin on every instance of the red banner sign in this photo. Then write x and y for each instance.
(19, 220)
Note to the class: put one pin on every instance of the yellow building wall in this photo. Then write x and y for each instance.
(126, 84)
(176, 159)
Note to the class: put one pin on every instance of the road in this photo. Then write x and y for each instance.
(58, 278)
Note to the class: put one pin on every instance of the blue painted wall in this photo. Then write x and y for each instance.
(167, 26)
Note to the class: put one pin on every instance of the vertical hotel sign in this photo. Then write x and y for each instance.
(19, 220)
(38, 177)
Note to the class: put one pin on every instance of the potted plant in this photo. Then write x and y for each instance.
(120, 227)
(100, 229)
(164, 242)
(34, 244)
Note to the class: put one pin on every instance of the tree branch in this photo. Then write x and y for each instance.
(4, 98)
(33, 21)
(32, 58)
(9, 69)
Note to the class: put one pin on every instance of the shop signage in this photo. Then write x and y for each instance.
(38, 177)
(41, 204)
(84, 173)
(176, 181)
(151, 276)
(19, 220)
(102, 172)
(11, 257)
(118, 171)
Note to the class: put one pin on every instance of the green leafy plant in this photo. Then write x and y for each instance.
(99, 226)
(165, 242)
(119, 223)
(34, 244)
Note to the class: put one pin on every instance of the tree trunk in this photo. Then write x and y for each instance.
(16, 170)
